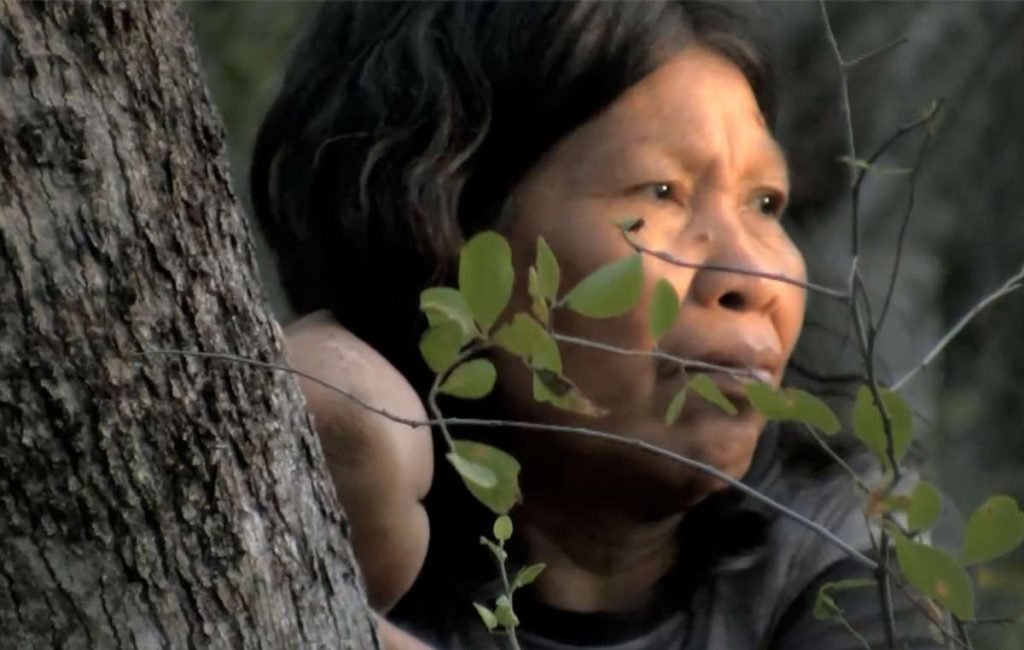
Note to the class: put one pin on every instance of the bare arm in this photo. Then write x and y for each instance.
(381, 469)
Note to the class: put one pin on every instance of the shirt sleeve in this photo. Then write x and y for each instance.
(862, 612)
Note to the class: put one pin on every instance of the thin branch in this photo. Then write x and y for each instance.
(962, 632)
(929, 614)
(849, 628)
(842, 378)
(656, 354)
(221, 356)
(885, 592)
(556, 428)
(901, 237)
(844, 100)
(867, 347)
(682, 460)
(865, 339)
(1012, 284)
(873, 53)
(831, 453)
(838, 294)
(926, 119)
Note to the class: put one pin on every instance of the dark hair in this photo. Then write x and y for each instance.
(401, 128)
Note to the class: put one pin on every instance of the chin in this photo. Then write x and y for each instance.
(728, 447)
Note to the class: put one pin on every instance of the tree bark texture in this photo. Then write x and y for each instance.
(144, 501)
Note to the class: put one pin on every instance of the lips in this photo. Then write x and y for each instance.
(730, 367)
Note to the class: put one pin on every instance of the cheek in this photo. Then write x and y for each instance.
(582, 244)
(792, 300)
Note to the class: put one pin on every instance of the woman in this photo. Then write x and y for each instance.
(400, 132)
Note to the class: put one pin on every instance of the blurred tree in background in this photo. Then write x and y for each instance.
(966, 235)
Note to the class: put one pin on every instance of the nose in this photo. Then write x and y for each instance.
(715, 286)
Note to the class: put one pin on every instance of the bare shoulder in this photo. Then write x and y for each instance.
(381, 468)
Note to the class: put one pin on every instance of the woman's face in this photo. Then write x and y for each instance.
(687, 150)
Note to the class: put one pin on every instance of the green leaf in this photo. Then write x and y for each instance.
(470, 380)
(937, 575)
(523, 337)
(546, 356)
(487, 616)
(486, 277)
(925, 506)
(768, 400)
(538, 303)
(550, 386)
(706, 388)
(548, 273)
(471, 472)
(442, 304)
(503, 612)
(504, 494)
(792, 404)
(440, 345)
(994, 529)
(612, 290)
(527, 574)
(812, 410)
(868, 425)
(825, 607)
(675, 407)
(664, 308)
(553, 388)
(502, 528)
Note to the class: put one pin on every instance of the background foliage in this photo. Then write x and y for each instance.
(966, 235)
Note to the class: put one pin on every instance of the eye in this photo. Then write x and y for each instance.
(661, 191)
(769, 203)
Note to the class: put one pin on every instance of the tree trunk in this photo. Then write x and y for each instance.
(147, 501)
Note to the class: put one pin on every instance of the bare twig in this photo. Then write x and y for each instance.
(962, 632)
(844, 100)
(923, 607)
(864, 336)
(885, 592)
(838, 294)
(873, 53)
(656, 354)
(849, 628)
(840, 378)
(222, 356)
(831, 453)
(682, 460)
(556, 428)
(1013, 283)
(901, 237)
(867, 342)
(926, 119)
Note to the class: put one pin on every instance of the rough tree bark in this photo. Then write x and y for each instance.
(144, 502)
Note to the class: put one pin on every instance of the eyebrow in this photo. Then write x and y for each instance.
(651, 150)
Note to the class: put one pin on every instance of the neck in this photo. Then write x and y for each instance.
(598, 559)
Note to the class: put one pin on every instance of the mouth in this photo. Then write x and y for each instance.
(733, 384)
(730, 371)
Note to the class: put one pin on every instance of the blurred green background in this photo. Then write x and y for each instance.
(965, 238)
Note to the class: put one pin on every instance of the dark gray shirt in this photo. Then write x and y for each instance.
(758, 599)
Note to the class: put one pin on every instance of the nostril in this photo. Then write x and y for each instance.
(733, 300)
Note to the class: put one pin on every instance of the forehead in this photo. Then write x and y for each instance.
(695, 108)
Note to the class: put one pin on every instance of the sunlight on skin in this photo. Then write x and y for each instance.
(685, 149)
